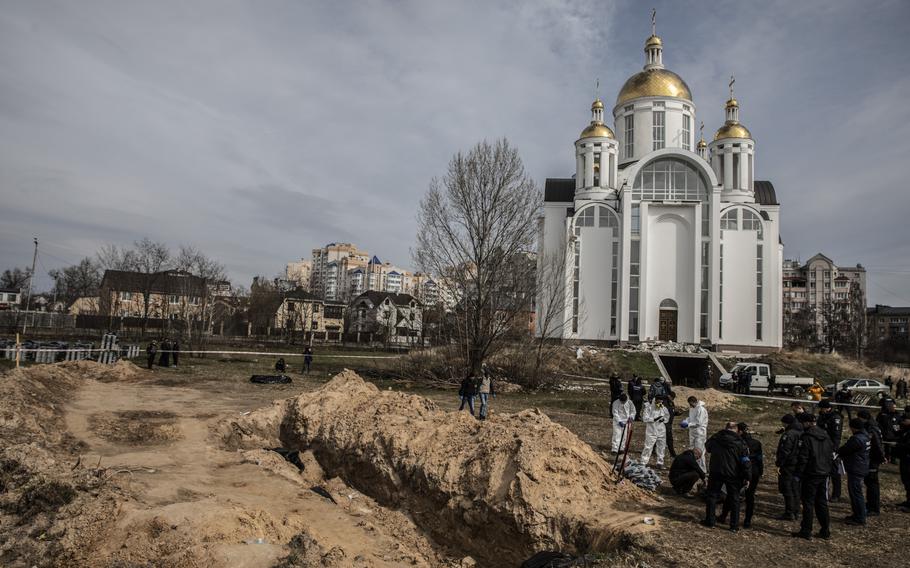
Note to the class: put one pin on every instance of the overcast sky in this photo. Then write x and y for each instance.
(257, 130)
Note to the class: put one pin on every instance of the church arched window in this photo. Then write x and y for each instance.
(585, 218)
(606, 218)
(730, 221)
(669, 178)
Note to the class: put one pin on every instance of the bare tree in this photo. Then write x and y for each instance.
(476, 227)
(77, 281)
(14, 278)
(198, 315)
(148, 259)
(553, 316)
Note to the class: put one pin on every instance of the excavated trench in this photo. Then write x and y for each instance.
(499, 490)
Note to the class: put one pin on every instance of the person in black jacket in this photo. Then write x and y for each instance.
(814, 463)
(757, 467)
(637, 395)
(615, 388)
(876, 459)
(671, 408)
(832, 422)
(855, 454)
(467, 392)
(902, 452)
(685, 471)
(844, 396)
(889, 425)
(728, 469)
(787, 480)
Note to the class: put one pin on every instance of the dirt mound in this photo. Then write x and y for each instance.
(122, 370)
(499, 490)
(714, 399)
(136, 427)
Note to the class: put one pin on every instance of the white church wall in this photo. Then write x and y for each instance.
(670, 268)
(594, 290)
(739, 292)
(552, 248)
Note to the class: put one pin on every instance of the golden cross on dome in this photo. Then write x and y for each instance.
(732, 80)
(701, 130)
(653, 21)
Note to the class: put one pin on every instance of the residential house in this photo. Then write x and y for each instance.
(393, 319)
(171, 294)
(85, 305)
(10, 298)
(304, 313)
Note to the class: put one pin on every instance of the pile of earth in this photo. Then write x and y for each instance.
(52, 506)
(714, 399)
(499, 489)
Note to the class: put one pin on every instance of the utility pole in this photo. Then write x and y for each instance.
(31, 279)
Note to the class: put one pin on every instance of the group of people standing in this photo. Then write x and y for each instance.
(168, 353)
(656, 408)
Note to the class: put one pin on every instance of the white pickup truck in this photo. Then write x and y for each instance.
(761, 377)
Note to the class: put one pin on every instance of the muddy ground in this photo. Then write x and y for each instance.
(140, 477)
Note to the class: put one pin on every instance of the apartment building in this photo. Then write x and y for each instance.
(329, 266)
(299, 272)
(888, 323)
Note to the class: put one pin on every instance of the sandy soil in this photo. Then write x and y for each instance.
(124, 468)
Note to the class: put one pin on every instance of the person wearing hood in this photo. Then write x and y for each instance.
(637, 394)
(756, 468)
(814, 463)
(730, 470)
(697, 424)
(615, 387)
(623, 412)
(655, 416)
(787, 480)
(151, 351)
(876, 459)
(855, 454)
(467, 392)
(659, 388)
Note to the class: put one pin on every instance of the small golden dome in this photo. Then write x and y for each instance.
(732, 130)
(702, 143)
(732, 103)
(597, 130)
(657, 82)
(598, 104)
(653, 41)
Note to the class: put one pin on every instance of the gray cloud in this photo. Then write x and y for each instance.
(259, 130)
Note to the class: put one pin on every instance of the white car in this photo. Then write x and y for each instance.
(863, 386)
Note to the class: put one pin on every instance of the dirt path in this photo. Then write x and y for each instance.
(195, 501)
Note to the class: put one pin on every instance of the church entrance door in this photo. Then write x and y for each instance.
(668, 317)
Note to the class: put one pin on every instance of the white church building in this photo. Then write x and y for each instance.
(658, 236)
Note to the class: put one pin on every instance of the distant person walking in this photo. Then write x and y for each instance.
(637, 394)
(623, 412)
(175, 349)
(307, 360)
(889, 382)
(814, 464)
(855, 454)
(697, 424)
(165, 360)
(844, 397)
(467, 391)
(486, 390)
(901, 388)
(150, 352)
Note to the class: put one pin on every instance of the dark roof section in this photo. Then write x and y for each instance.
(301, 294)
(764, 193)
(175, 282)
(560, 190)
(880, 310)
(375, 297)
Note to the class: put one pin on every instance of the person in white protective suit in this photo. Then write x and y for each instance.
(697, 424)
(655, 418)
(623, 412)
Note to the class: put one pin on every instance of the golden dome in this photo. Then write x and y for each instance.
(732, 130)
(597, 129)
(598, 104)
(732, 103)
(656, 82)
(652, 41)
(702, 143)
